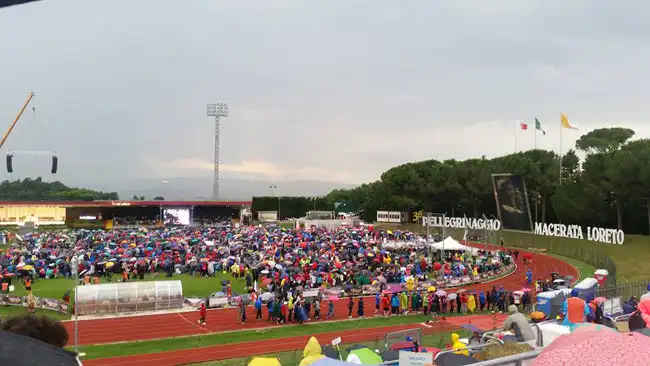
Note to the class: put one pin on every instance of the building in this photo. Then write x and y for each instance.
(120, 214)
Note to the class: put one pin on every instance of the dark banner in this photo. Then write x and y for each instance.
(512, 202)
(6, 3)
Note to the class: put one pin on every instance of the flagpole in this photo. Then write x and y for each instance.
(561, 153)
(516, 132)
(535, 136)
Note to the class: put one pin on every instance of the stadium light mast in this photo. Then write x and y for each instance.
(216, 110)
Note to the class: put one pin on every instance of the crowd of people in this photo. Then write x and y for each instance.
(387, 303)
(279, 260)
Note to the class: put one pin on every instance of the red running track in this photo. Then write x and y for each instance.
(128, 329)
(247, 349)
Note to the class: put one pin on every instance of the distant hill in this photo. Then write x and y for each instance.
(201, 188)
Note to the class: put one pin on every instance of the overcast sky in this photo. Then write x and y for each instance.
(323, 90)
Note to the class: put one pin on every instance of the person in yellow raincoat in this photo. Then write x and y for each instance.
(410, 284)
(459, 347)
(471, 303)
(312, 352)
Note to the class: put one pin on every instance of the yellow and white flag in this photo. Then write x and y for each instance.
(564, 122)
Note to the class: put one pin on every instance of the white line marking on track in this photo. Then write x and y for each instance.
(194, 324)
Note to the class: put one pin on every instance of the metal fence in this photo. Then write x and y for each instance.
(294, 357)
(437, 336)
(624, 291)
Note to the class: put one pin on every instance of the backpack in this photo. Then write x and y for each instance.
(636, 321)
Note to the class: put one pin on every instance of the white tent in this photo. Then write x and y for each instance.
(450, 244)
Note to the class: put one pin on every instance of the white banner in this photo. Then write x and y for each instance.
(608, 236)
(415, 359)
(462, 223)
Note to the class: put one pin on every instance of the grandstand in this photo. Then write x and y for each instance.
(123, 214)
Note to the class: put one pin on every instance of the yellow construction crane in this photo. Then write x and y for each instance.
(13, 124)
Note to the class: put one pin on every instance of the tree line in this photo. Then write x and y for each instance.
(29, 189)
(290, 207)
(605, 183)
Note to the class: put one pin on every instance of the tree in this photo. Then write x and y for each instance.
(137, 198)
(604, 140)
(159, 198)
(37, 190)
(609, 187)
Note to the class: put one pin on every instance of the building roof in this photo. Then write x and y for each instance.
(126, 203)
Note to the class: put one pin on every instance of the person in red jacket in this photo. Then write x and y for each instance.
(202, 313)
(385, 304)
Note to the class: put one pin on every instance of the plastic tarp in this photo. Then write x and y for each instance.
(552, 294)
(330, 362)
(263, 361)
(587, 284)
(364, 356)
(601, 272)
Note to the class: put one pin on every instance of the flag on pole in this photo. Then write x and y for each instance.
(564, 122)
(523, 126)
(538, 126)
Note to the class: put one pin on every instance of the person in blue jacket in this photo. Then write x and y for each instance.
(377, 302)
(394, 304)
(529, 277)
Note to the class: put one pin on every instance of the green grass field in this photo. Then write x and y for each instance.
(192, 285)
(8, 311)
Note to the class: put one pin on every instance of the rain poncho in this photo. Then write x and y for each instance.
(404, 301)
(471, 303)
(459, 347)
(262, 361)
(312, 352)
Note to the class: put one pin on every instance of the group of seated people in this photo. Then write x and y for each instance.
(135, 221)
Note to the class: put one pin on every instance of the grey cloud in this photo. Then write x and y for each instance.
(332, 88)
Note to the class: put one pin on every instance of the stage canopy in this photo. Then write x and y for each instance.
(450, 244)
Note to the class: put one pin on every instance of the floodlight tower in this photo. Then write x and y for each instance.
(216, 110)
